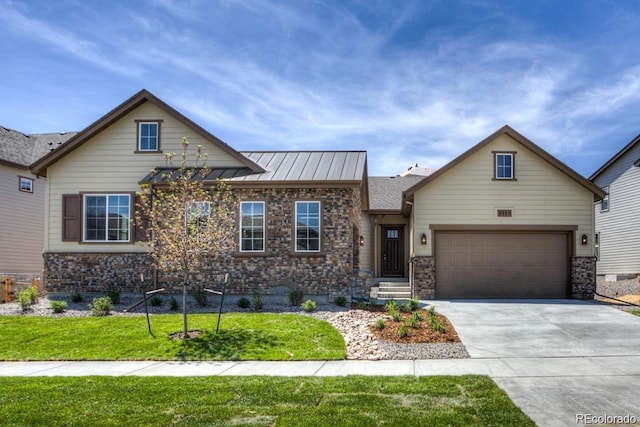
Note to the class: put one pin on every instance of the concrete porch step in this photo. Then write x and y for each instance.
(394, 290)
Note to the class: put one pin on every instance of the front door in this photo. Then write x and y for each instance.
(392, 251)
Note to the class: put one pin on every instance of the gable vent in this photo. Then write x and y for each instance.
(504, 213)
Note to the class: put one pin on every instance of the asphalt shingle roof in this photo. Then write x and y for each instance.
(22, 149)
(385, 193)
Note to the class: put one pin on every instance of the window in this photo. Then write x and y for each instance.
(106, 217)
(307, 229)
(149, 136)
(504, 166)
(604, 204)
(252, 226)
(25, 184)
(198, 214)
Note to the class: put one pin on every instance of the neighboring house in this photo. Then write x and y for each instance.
(505, 219)
(617, 215)
(22, 208)
(304, 207)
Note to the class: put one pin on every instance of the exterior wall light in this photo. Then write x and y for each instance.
(584, 239)
(423, 239)
(361, 240)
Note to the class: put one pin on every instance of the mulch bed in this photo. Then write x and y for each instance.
(423, 334)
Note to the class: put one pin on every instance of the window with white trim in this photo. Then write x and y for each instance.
(198, 214)
(148, 136)
(307, 227)
(604, 204)
(504, 166)
(252, 226)
(25, 184)
(106, 217)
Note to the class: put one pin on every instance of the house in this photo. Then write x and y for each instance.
(105, 163)
(22, 207)
(505, 219)
(617, 220)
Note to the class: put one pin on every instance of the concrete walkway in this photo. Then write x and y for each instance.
(557, 360)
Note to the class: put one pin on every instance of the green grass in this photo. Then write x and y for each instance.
(256, 401)
(635, 311)
(242, 336)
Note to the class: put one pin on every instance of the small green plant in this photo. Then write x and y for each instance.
(362, 305)
(25, 298)
(403, 331)
(101, 306)
(413, 323)
(114, 296)
(379, 324)
(155, 301)
(244, 302)
(391, 306)
(76, 297)
(432, 310)
(200, 295)
(295, 297)
(395, 316)
(406, 307)
(173, 304)
(58, 306)
(257, 301)
(434, 321)
(340, 301)
(415, 304)
(309, 306)
(416, 316)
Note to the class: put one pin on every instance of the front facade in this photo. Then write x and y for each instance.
(617, 220)
(503, 220)
(304, 208)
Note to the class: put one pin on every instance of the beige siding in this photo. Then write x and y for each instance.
(370, 259)
(107, 163)
(467, 194)
(21, 223)
(365, 251)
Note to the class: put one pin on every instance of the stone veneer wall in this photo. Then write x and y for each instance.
(424, 277)
(273, 272)
(583, 277)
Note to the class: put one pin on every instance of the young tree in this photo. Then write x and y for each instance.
(186, 218)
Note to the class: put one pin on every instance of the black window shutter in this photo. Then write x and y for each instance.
(71, 217)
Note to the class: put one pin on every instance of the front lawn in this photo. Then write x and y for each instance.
(242, 336)
(282, 401)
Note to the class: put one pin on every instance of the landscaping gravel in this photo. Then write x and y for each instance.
(353, 325)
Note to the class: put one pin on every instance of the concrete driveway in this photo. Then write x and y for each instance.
(563, 362)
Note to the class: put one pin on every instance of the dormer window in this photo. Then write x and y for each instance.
(148, 136)
(504, 166)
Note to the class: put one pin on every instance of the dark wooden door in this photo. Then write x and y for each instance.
(392, 251)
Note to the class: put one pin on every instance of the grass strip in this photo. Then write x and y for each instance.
(242, 336)
(246, 401)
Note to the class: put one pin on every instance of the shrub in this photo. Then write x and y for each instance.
(403, 331)
(415, 304)
(200, 295)
(114, 296)
(173, 304)
(413, 323)
(406, 307)
(295, 297)
(340, 301)
(416, 316)
(58, 306)
(100, 306)
(244, 302)
(257, 301)
(379, 324)
(436, 325)
(395, 316)
(309, 306)
(25, 298)
(155, 301)
(391, 306)
(76, 296)
(362, 305)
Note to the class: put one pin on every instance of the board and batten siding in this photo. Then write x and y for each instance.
(107, 163)
(21, 222)
(619, 227)
(467, 194)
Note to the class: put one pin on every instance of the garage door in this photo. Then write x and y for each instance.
(501, 265)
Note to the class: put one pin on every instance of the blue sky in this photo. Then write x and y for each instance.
(408, 81)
